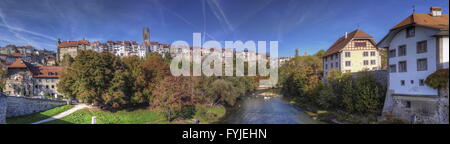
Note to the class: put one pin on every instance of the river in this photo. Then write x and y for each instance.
(255, 109)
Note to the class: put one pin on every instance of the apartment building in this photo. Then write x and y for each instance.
(417, 47)
(352, 52)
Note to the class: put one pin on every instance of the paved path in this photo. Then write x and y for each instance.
(63, 114)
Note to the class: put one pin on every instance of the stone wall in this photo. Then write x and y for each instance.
(17, 106)
(2, 109)
(11, 106)
(443, 106)
(420, 109)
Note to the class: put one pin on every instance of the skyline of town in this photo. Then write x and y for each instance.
(220, 21)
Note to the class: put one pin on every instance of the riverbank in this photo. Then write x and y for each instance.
(340, 117)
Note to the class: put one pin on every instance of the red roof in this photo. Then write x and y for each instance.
(73, 43)
(46, 71)
(342, 41)
(18, 64)
(427, 20)
(24, 47)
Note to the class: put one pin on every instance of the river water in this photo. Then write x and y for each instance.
(255, 109)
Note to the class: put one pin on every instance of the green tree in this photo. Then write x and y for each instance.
(223, 92)
(67, 60)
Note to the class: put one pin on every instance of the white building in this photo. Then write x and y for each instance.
(417, 47)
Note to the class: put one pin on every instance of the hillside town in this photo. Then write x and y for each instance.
(411, 51)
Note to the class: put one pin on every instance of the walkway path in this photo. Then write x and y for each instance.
(63, 114)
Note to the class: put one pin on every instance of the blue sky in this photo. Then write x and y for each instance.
(309, 25)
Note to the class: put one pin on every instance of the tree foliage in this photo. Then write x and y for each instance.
(438, 79)
(358, 93)
(109, 81)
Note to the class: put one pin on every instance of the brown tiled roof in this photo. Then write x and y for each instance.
(73, 43)
(342, 41)
(19, 63)
(46, 71)
(427, 20)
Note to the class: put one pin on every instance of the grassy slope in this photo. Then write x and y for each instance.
(105, 117)
(141, 116)
(30, 118)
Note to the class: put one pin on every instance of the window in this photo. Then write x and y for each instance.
(372, 53)
(360, 44)
(331, 65)
(410, 32)
(326, 59)
(421, 82)
(46, 86)
(391, 53)
(331, 57)
(53, 86)
(347, 54)
(402, 66)
(348, 63)
(366, 62)
(337, 65)
(402, 82)
(392, 68)
(422, 64)
(421, 47)
(373, 62)
(412, 81)
(365, 54)
(408, 104)
(402, 50)
(326, 66)
(337, 56)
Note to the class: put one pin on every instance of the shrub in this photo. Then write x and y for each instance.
(438, 79)
(326, 97)
(186, 112)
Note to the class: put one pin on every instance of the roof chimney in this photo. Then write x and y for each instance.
(436, 11)
(346, 35)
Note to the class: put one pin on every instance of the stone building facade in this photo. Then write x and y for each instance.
(25, 79)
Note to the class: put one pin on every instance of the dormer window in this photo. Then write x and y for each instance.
(410, 32)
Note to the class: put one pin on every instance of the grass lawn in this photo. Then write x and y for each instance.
(142, 116)
(206, 114)
(209, 114)
(34, 117)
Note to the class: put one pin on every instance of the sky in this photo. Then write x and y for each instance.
(309, 25)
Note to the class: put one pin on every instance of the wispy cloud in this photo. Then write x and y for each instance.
(20, 35)
(218, 11)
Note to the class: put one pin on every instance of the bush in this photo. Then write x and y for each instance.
(438, 79)
(326, 97)
(186, 112)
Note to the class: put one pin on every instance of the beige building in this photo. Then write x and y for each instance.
(25, 79)
(71, 48)
(352, 52)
